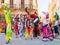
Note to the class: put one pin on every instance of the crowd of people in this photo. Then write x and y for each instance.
(26, 25)
(30, 26)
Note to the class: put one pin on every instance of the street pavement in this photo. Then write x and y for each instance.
(22, 41)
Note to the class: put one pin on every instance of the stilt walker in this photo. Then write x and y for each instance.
(8, 22)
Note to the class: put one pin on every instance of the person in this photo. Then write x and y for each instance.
(59, 22)
(31, 31)
(8, 22)
(16, 20)
(23, 22)
(16, 30)
(56, 27)
(27, 31)
(31, 28)
(36, 32)
(52, 28)
(47, 34)
(20, 27)
(8, 34)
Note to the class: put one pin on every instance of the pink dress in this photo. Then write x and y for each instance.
(47, 31)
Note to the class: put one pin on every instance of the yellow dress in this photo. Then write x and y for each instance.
(26, 33)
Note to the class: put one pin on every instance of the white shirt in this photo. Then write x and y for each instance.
(44, 23)
(56, 23)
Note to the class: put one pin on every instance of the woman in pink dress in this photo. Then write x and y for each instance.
(47, 34)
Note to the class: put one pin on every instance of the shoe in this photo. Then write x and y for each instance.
(45, 39)
(51, 39)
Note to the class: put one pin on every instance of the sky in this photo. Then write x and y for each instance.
(43, 5)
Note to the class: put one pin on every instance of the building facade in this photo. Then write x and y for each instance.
(18, 6)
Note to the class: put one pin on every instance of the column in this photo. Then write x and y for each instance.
(27, 4)
(34, 4)
(22, 3)
(16, 3)
(31, 4)
(11, 3)
(0, 3)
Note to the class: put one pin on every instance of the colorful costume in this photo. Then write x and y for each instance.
(8, 22)
(47, 30)
(26, 33)
(36, 30)
(16, 20)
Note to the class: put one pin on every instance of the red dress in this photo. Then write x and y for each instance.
(16, 29)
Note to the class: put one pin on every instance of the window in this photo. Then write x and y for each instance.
(22, 3)
(11, 3)
(27, 3)
(2, 1)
